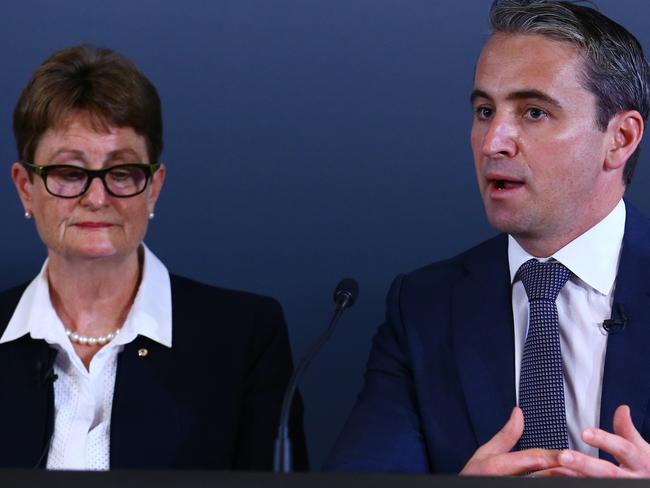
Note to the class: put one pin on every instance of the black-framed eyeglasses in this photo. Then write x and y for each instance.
(67, 181)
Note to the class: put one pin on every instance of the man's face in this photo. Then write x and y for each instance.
(538, 153)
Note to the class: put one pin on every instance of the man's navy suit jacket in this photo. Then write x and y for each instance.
(440, 380)
(212, 401)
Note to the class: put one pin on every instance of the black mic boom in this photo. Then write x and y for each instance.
(345, 295)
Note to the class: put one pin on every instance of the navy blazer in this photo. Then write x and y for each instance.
(440, 379)
(212, 401)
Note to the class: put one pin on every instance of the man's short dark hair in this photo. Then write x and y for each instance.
(97, 81)
(615, 68)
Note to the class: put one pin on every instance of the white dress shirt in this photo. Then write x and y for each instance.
(583, 304)
(83, 398)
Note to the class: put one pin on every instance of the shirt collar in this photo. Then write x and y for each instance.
(592, 257)
(150, 314)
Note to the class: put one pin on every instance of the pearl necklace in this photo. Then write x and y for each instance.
(89, 340)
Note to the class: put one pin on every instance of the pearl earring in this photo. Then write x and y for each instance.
(151, 215)
(28, 214)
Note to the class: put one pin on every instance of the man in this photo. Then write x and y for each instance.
(560, 99)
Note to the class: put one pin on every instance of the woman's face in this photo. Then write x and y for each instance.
(95, 224)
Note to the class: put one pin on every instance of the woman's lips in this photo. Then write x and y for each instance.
(93, 225)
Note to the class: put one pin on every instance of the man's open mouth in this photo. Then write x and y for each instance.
(507, 184)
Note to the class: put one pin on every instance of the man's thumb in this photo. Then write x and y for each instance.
(504, 440)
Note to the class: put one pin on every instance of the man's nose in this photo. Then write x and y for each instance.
(501, 137)
(96, 195)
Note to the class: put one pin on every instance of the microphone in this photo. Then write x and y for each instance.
(45, 370)
(345, 295)
(618, 322)
(45, 378)
(46, 375)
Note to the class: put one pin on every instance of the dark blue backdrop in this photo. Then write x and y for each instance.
(306, 140)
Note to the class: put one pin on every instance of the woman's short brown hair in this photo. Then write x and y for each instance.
(98, 81)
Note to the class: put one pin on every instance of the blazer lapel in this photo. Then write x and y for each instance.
(145, 414)
(626, 375)
(484, 338)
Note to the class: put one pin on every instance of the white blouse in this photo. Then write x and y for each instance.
(83, 398)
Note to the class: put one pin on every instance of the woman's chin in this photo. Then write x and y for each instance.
(94, 251)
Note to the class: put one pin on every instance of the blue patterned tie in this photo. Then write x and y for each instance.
(541, 385)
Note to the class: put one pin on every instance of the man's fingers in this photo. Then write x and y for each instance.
(626, 445)
(624, 426)
(560, 472)
(504, 440)
(495, 459)
(625, 452)
(512, 463)
(590, 466)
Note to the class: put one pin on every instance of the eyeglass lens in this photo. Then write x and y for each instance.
(121, 181)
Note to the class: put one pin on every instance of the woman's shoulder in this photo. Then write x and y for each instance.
(9, 299)
(200, 296)
(13, 293)
(205, 313)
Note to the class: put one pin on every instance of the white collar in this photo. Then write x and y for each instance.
(592, 257)
(150, 314)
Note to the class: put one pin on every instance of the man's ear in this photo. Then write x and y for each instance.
(24, 185)
(627, 130)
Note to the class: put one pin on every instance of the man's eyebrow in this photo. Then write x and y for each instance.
(519, 95)
(534, 95)
(478, 94)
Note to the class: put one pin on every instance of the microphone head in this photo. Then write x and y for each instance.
(346, 291)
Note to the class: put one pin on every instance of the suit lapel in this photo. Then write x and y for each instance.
(626, 375)
(144, 415)
(484, 337)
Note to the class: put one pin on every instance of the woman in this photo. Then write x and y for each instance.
(107, 360)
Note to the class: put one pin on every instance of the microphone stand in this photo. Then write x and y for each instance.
(282, 461)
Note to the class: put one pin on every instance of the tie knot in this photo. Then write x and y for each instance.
(543, 281)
